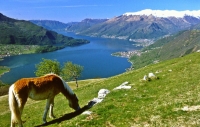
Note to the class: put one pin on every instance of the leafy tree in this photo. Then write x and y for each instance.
(48, 66)
(72, 71)
(69, 72)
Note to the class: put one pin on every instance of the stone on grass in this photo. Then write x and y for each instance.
(151, 75)
(123, 86)
(145, 78)
(87, 113)
(102, 93)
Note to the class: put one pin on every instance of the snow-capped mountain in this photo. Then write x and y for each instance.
(140, 25)
(166, 13)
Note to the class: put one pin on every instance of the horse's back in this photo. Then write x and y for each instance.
(40, 87)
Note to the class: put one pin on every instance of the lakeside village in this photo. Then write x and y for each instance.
(139, 43)
(7, 50)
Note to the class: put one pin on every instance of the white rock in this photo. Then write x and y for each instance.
(191, 108)
(102, 93)
(87, 113)
(151, 75)
(145, 78)
(123, 86)
(158, 71)
(185, 108)
(97, 100)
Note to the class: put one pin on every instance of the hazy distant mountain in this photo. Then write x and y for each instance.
(50, 24)
(24, 32)
(84, 25)
(71, 26)
(137, 25)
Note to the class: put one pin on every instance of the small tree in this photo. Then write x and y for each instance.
(72, 71)
(48, 66)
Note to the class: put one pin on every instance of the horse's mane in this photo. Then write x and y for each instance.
(52, 74)
(64, 83)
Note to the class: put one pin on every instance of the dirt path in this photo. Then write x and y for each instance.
(3, 97)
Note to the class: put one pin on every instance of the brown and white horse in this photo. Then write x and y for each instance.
(45, 87)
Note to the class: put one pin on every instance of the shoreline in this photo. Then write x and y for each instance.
(127, 54)
(4, 69)
(30, 50)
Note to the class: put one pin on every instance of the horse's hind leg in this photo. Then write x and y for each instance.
(16, 118)
(51, 115)
(22, 101)
(16, 112)
(21, 107)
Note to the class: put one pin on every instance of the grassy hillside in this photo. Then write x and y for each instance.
(158, 102)
(181, 44)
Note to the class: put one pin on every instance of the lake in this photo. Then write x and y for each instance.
(95, 57)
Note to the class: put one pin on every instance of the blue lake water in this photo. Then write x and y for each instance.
(95, 57)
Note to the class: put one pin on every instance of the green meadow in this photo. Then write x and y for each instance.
(171, 99)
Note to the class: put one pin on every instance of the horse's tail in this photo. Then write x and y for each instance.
(14, 107)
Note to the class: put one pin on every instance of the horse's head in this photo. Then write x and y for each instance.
(73, 103)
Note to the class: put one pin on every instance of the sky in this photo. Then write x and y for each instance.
(77, 10)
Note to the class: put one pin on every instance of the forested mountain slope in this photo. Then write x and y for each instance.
(26, 33)
(178, 45)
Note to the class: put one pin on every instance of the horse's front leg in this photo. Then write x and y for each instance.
(46, 111)
(51, 115)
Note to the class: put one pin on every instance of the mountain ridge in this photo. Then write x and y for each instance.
(24, 32)
(144, 24)
(135, 26)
